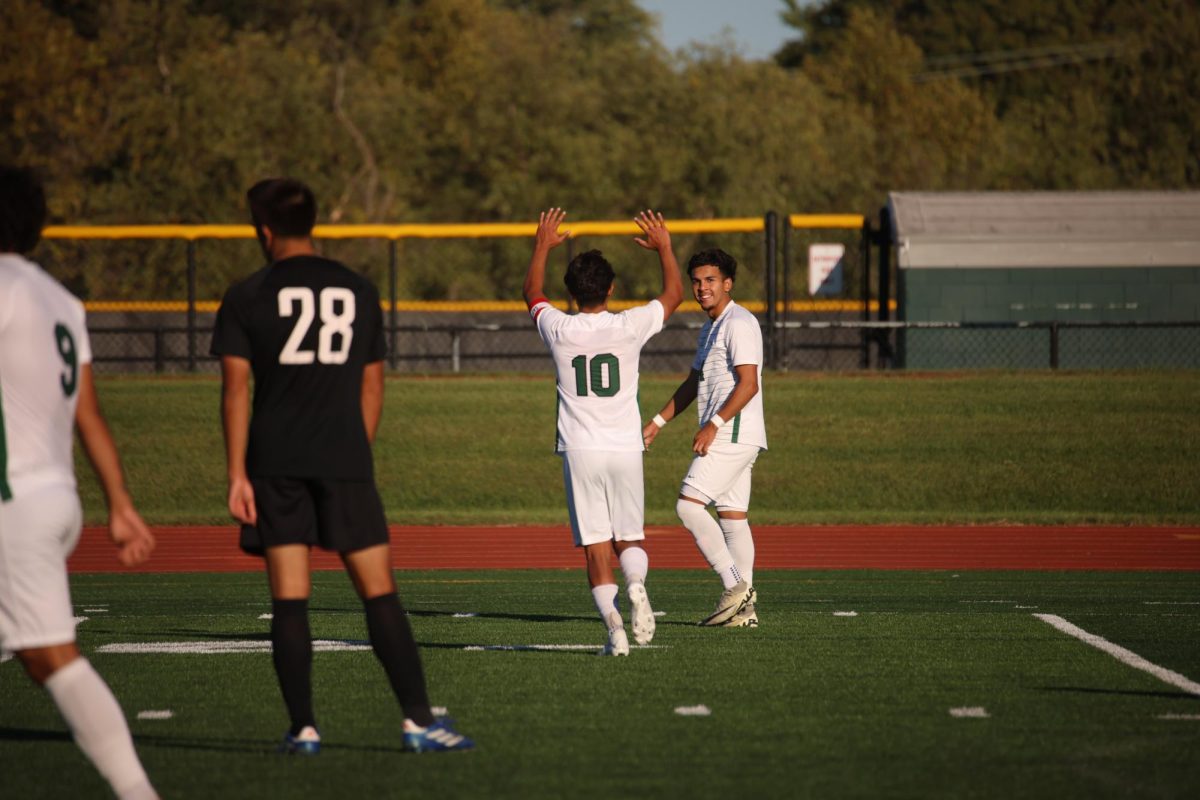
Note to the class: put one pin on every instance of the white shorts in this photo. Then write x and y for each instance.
(37, 533)
(722, 477)
(605, 495)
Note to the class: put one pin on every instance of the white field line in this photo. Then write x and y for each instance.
(165, 713)
(1127, 657)
(970, 712)
(1188, 717)
(319, 646)
(693, 711)
(211, 648)
(845, 613)
(476, 648)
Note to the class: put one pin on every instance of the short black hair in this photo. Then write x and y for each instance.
(714, 257)
(284, 205)
(22, 209)
(589, 277)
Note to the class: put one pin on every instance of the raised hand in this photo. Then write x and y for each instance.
(548, 236)
(655, 229)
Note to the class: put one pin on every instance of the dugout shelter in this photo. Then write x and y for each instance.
(1122, 266)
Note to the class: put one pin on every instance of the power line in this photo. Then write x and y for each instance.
(972, 65)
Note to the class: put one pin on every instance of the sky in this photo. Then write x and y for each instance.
(755, 24)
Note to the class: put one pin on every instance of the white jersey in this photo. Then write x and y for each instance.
(43, 346)
(732, 339)
(596, 359)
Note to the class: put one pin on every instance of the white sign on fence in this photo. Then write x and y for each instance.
(825, 269)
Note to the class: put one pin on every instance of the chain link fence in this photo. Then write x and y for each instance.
(432, 343)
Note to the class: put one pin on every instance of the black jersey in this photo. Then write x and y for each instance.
(308, 326)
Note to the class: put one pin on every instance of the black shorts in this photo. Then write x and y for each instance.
(342, 516)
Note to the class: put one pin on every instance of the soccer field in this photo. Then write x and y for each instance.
(858, 684)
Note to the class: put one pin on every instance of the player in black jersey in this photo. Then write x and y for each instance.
(310, 331)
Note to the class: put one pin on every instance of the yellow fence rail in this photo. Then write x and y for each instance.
(776, 309)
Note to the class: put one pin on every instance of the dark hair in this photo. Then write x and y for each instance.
(22, 209)
(589, 277)
(284, 205)
(714, 257)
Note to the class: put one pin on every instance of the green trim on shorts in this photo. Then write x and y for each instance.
(5, 490)
(737, 424)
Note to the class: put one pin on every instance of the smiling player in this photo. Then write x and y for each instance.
(726, 380)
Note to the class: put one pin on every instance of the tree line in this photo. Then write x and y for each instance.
(155, 111)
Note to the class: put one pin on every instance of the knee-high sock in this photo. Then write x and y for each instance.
(291, 652)
(710, 539)
(741, 546)
(635, 564)
(605, 597)
(396, 649)
(99, 727)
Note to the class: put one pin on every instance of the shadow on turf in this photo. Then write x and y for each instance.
(1129, 692)
(222, 745)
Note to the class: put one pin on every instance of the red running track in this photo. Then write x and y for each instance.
(214, 549)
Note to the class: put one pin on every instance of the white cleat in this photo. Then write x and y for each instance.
(733, 600)
(618, 642)
(643, 615)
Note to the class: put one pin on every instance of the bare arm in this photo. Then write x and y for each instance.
(126, 528)
(683, 397)
(746, 376)
(659, 240)
(372, 398)
(235, 417)
(546, 239)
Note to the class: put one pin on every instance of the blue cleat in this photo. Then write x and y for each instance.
(438, 737)
(305, 743)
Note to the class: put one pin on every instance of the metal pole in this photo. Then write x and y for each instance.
(570, 257)
(158, 348)
(191, 305)
(885, 312)
(393, 314)
(865, 266)
(787, 294)
(455, 338)
(769, 246)
(1053, 345)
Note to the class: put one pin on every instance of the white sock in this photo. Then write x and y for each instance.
(741, 546)
(635, 564)
(605, 596)
(709, 538)
(98, 725)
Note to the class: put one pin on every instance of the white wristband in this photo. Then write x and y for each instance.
(659, 421)
(715, 419)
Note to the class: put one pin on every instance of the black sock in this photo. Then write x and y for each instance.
(392, 640)
(291, 652)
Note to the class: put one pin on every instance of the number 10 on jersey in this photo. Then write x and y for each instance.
(602, 374)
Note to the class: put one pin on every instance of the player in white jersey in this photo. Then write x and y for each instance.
(596, 355)
(726, 383)
(46, 390)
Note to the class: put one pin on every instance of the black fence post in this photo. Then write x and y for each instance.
(191, 307)
(865, 258)
(769, 246)
(1053, 345)
(885, 285)
(393, 314)
(787, 292)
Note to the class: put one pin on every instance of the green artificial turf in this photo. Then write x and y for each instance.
(860, 448)
(809, 704)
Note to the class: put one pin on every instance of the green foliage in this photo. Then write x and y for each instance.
(1103, 97)
(490, 110)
